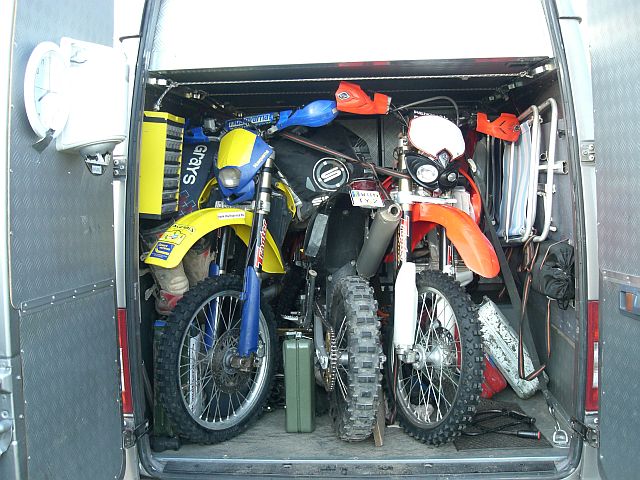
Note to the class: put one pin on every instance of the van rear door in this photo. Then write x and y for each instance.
(613, 32)
(60, 413)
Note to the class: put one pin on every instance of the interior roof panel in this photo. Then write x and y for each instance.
(467, 81)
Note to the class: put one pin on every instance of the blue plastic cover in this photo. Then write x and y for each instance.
(316, 114)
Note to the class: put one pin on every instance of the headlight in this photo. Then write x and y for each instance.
(424, 171)
(229, 177)
(427, 173)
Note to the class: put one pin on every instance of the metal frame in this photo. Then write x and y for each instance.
(533, 115)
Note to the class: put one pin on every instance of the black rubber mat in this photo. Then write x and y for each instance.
(498, 440)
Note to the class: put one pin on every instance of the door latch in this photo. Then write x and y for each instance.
(589, 434)
(131, 435)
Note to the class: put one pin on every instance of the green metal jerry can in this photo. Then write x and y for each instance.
(300, 384)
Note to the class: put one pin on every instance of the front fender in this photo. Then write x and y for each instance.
(474, 248)
(172, 246)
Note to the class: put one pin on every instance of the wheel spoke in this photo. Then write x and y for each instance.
(343, 387)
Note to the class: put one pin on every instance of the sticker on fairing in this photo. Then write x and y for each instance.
(230, 215)
(179, 226)
(173, 236)
(162, 250)
(366, 198)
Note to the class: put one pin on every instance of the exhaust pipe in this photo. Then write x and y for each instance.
(381, 232)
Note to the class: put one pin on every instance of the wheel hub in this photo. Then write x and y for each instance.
(226, 377)
(441, 353)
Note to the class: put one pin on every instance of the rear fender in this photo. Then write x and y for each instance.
(172, 246)
(474, 248)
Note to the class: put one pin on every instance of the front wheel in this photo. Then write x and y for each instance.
(208, 399)
(436, 396)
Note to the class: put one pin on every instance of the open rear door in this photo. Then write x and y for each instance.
(613, 28)
(59, 372)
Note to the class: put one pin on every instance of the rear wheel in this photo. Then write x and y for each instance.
(436, 396)
(207, 399)
(355, 397)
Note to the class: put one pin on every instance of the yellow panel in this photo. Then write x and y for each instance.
(235, 148)
(288, 195)
(164, 116)
(180, 237)
(153, 151)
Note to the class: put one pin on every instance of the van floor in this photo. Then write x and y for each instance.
(268, 440)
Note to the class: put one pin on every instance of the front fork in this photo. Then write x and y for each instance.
(405, 304)
(405, 289)
(250, 323)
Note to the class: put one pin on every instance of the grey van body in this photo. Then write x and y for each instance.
(60, 403)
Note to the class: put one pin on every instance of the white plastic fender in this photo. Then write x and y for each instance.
(405, 306)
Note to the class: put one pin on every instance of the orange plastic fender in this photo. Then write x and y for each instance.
(474, 248)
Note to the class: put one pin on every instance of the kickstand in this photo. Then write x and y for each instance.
(379, 425)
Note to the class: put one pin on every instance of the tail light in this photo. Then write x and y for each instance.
(125, 377)
(593, 337)
(367, 185)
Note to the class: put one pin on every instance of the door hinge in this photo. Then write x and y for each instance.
(588, 151)
(120, 166)
(131, 435)
(589, 434)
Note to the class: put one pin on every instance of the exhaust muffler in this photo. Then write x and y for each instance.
(381, 232)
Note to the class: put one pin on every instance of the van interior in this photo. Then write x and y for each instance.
(477, 85)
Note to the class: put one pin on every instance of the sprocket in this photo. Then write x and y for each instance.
(330, 373)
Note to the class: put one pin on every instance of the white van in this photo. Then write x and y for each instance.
(77, 328)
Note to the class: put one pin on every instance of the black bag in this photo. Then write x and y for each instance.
(550, 270)
(553, 273)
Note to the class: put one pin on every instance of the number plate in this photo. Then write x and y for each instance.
(366, 198)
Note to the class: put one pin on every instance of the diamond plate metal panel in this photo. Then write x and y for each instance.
(61, 216)
(71, 389)
(60, 240)
(619, 388)
(615, 70)
(613, 28)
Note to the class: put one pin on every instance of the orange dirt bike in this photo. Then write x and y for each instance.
(434, 366)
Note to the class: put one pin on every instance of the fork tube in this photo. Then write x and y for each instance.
(403, 244)
(443, 261)
(249, 327)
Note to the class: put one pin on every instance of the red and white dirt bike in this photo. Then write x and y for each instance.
(434, 347)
